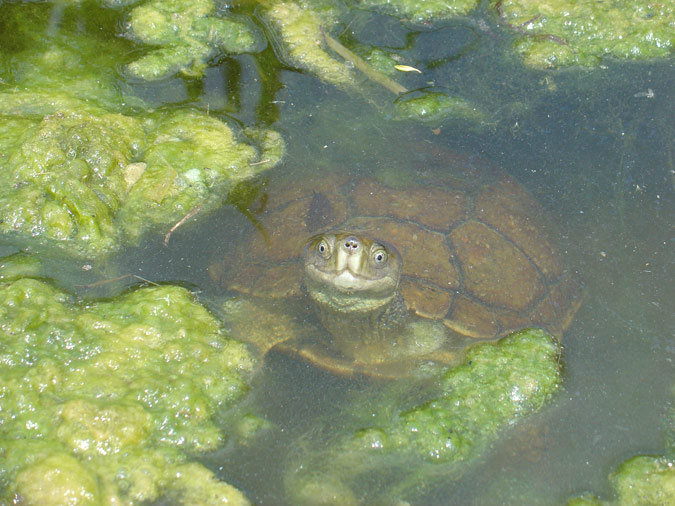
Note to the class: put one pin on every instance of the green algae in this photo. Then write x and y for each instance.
(186, 36)
(496, 384)
(421, 11)
(435, 107)
(84, 167)
(191, 160)
(380, 60)
(19, 265)
(104, 401)
(559, 33)
(65, 180)
(86, 182)
(307, 37)
(643, 480)
(299, 27)
(46, 69)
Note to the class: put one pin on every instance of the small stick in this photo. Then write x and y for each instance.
(185, 218)
(358, 62)
(113, 280)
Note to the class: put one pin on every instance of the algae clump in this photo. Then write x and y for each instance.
(85, 168)
(64, 180)
(300, 32)
(185, 36)
(643, 480)
(434, 107)
(49, 61)
(559, 33)
(102, 402)
(85, 181)
(430, 442)
(421, 11)
(191, 160)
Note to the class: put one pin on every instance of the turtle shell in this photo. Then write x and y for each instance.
(477, 250)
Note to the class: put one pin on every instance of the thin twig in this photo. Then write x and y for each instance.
(358, 62)
(113, 280)
(522, 25)
(185, 218)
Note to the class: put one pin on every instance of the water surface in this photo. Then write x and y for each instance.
(595, 146)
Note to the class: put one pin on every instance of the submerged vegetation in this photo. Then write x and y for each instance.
(92, 181)
(399, 449)
(421, 11)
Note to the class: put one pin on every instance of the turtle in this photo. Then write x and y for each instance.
(360, 275)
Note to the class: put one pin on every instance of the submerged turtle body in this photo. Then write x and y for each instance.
(475, 252)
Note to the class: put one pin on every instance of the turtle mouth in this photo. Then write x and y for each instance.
(347, 293)
(351, 273)
(348, 284)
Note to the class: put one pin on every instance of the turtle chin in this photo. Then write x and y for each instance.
(363, 324)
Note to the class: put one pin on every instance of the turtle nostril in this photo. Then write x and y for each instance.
(351, 245)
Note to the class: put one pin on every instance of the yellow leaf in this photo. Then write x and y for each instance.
(407, 68)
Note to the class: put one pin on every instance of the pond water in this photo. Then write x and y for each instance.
(593, 145)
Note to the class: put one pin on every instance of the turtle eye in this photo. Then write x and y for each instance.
(380, 256)
(322, 249)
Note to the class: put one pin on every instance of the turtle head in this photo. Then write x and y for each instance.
(350, 272)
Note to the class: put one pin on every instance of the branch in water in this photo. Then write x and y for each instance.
(358, 62)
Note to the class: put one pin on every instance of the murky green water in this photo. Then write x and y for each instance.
(594, 145)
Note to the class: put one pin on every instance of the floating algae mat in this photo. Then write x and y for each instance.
(87, 169)
(104, 402)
